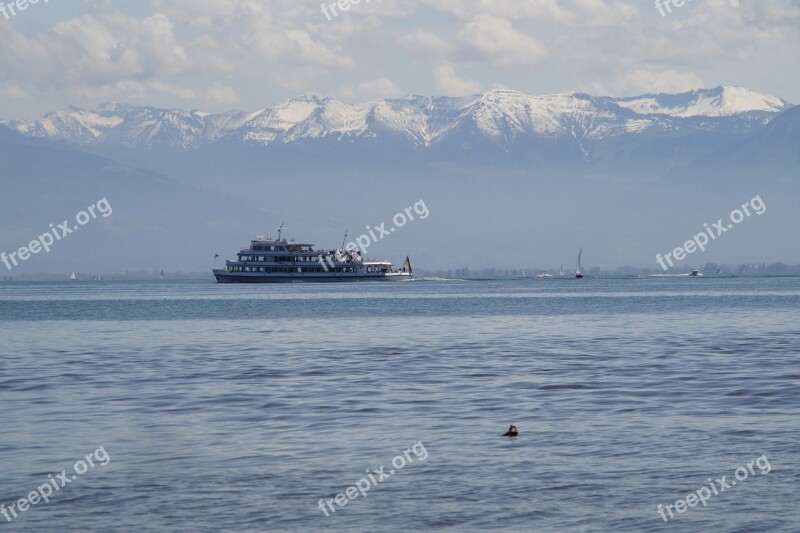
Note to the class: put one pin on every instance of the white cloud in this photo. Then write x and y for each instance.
(498, 42)
(424, 42)
(168, 50)
(448, 83)
(665, 81)
(13, 90)
(570, 13)
(222, 94)
(122, 90)
(168, 88)
(134, 90)
(102, 49)
(372, 90)
(95, 50)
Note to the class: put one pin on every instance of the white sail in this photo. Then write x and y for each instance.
(579, 268)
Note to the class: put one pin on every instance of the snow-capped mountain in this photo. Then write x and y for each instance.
(74, 124)
(500, 116)
(724, 101)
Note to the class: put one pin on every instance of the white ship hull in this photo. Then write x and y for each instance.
(224, 276)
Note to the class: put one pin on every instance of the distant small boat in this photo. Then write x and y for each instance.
(544, 275)
(161, 275)
(579, 268)
(561, 271)
(695, 273)
(73, 277)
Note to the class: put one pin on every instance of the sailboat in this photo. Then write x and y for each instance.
(561, 271)
(579, 269)
(161, 275)
(73, 277)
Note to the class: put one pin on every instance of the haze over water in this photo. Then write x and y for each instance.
(238, 408)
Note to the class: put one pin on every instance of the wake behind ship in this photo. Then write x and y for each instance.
(281, 261)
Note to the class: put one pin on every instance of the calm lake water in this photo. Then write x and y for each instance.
(238, 408)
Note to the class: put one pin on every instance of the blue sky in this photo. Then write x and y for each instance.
(218, 55)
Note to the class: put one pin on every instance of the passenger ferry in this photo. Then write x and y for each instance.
(281, 261)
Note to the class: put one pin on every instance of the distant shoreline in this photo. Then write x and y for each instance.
(710, 270)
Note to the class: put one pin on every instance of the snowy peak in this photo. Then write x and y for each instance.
(149, 126)
(71, 124)
(510, 113)
(722, 101)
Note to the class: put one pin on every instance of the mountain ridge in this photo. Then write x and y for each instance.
(498, 115)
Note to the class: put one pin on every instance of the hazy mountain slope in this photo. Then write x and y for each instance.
(156, 221)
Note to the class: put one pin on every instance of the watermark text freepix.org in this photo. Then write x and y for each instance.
(15, 7)
(363, 485)
(362, 242)
(661, 4)
(703, 494)
(716, 229)
(343, 5)
(56, 233)
(44, 491)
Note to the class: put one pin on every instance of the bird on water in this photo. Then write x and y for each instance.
(512, 431)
